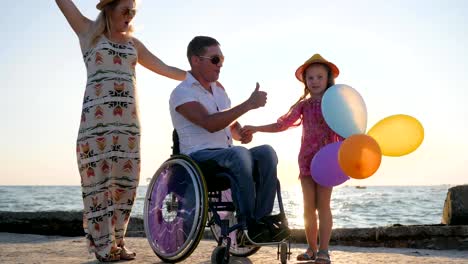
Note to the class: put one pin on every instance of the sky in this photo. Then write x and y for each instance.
(403, 57)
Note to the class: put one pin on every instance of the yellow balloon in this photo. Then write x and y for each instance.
(398, 135)
(359, 156)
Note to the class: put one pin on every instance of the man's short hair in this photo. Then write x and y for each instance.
(197, 46)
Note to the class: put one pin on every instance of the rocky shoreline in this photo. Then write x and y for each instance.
(437, 236)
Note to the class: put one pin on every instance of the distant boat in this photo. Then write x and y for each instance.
(360, 187)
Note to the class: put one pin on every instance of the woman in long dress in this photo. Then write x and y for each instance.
(108, 144)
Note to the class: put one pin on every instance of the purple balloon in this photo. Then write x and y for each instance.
(324, 167)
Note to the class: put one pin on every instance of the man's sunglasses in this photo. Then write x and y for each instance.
(214, 59)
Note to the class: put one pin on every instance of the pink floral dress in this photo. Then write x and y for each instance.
(315, 131)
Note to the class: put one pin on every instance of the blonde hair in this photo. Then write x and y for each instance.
(103, 25)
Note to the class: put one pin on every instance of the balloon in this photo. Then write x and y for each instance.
(359, 156)
(344, 110)
(398, 135)
(324, 167)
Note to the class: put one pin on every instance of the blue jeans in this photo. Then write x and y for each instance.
(253, 191)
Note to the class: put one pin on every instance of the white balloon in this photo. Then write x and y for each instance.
(344, 110)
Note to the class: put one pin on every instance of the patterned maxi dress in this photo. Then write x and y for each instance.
(108, 144)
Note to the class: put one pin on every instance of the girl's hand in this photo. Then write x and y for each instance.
(246, 134)
(248, 130)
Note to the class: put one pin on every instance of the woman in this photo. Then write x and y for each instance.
(108, 145)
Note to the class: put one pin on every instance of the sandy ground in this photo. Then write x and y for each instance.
(21, 248)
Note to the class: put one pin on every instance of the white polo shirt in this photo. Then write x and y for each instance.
(193, 137)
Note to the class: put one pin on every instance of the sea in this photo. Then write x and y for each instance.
(352, 206)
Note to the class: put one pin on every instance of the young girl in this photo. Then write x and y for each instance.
(318, 75)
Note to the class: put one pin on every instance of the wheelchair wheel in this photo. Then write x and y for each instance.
(175, 209)
(219, 255)
(234, 249)
(284, 253)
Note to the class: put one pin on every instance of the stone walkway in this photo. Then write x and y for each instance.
(21, 248)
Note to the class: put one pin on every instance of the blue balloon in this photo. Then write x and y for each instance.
(324, 167)
(344, 110)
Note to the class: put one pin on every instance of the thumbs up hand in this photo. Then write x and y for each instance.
(257, 98)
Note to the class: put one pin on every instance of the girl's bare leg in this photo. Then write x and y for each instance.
(325, 216)
(310, 216)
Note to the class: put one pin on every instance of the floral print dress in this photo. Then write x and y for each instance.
(315, 131)
(108, 144)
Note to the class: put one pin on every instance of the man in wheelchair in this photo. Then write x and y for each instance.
(206, 124)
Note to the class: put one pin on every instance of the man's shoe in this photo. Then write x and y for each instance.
(279, 234)
(258, 232)
(278, 227)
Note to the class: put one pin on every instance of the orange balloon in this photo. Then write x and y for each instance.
(359, 156)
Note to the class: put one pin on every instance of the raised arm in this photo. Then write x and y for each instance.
(153, 63)
(79, 23)
(197, 113)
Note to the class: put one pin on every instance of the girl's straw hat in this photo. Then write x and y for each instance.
(316, 58)
(102, 3)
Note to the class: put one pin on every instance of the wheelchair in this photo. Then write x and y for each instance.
(180, 203)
